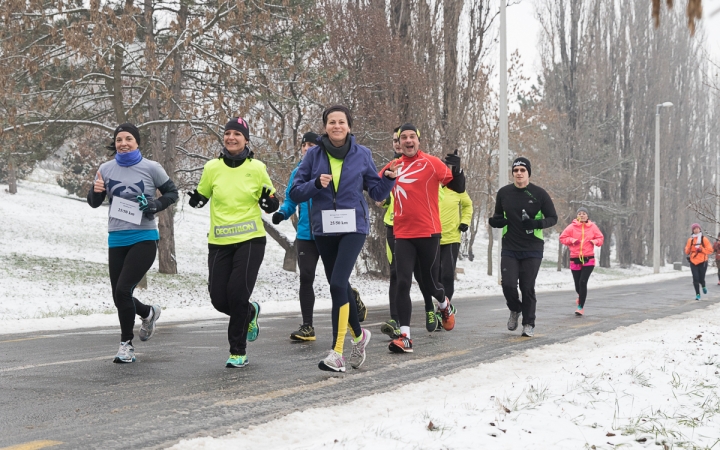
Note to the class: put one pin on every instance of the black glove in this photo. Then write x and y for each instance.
(268, 202)
(148, 206)
(452, 159)
(197, 200)
(497, 221)
(530, 224)
(318, 184)
(463, 227)
(278, 217)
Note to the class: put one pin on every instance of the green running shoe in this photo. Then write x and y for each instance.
(237, 361)
(254, 328)
(431, 322)
(391, 329)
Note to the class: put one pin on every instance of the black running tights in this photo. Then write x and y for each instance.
(307, 255)
(392, 292)
(426, 253)
(523, 272)
(581, 278)
(448, 260)
(233, 271)
(698, 274)
(128, 265)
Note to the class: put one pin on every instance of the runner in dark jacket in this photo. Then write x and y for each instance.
(522, 210)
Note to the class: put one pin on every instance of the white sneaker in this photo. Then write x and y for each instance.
(126, 354)
(333, 362)
(528, 330)
(357, 357)
(147, 329)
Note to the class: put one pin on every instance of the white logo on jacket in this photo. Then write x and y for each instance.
(403, 177)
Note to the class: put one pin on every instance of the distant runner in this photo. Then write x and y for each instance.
(698, 248)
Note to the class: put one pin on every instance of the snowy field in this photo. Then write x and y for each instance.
(53, 267)
(650, 385)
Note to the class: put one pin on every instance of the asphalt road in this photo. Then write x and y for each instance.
(62, 387)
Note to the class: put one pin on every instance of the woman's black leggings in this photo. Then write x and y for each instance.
(448, 260)
(233, 272)
(581, 278)
(698, 274)
(427, 253)
(128, 265)
(307, 255)
(339, 253)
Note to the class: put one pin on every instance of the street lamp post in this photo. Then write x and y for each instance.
(503, 153)
(656, 225)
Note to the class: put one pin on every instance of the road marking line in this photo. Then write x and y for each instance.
(33, 445)
(24, 339)
(583, 325)
(500, 309)
(33, 366)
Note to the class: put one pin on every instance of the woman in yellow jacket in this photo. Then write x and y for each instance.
(698, 248)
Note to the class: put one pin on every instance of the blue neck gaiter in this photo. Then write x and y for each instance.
(128, 159)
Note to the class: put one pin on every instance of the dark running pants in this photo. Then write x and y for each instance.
(523, 272)
(448, 261)
(307, 255)
(127, 267)
(339, 253)
(233, 271)
(698, 274)
(581, 278)
(426, 253)
(392, 291)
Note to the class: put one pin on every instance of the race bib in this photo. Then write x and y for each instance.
(338, 221)
(126, 210)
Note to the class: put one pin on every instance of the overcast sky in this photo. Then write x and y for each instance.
(523, 31)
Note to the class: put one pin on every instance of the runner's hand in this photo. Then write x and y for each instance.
(268, 202)
(99, 185)
(277, 218)
(197, 200)
(463, 227)
(322, 181)
(391, 171)
(497, 221)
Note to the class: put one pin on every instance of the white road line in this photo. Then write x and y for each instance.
(34, 366)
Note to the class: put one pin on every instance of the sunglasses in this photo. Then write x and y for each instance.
(519, 169)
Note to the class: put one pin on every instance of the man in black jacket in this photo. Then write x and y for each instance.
(522, 210)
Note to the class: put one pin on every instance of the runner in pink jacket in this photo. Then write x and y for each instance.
(581, 237)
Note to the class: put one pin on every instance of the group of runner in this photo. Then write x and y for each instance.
(427, 210)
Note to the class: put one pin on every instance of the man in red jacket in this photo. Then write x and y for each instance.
(417, 228)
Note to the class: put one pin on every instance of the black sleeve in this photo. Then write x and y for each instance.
(458, 182)
(95, 199)
(548, 211)
(169, 195)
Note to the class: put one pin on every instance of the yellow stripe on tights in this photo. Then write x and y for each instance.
(343, 316)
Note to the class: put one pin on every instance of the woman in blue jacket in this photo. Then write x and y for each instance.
(333, 174)
(307, 252)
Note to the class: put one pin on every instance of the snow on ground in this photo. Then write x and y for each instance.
(649, 385)
(53, 267)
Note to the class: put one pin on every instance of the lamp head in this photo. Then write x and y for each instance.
(667, 104)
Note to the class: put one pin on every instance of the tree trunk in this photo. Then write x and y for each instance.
(290, 259)
(560, 257)
(12, 175)
(605, 255)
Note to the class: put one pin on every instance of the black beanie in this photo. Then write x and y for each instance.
(309, 137)
(239, 124)
(522, 161)
(127, 127)
(406, 127)
(340, 108)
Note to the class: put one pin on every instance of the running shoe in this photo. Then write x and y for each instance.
(697, 297)
(528, 330)
(448, 316)
(579, 311)
(577, 301)
(704, 290)
(126, 353)
(361, 308)
(403, 344)
(391, 329)
(237, 361)
(254, 328)
(357, 357)
(333, 362)
(147, 329)
(513, 320)
(305, 333)
(431, 322)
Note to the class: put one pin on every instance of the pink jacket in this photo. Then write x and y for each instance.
(581, 238)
